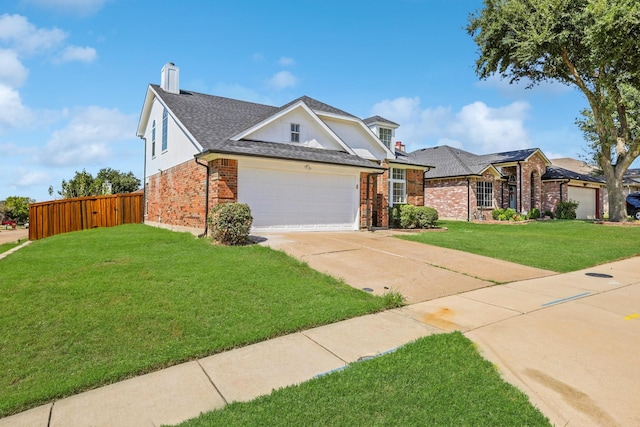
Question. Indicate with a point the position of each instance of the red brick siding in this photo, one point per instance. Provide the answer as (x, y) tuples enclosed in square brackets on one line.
[(382, 199), (176, 196), (415, 187), (447, 196), (364, 177), (534, 168)]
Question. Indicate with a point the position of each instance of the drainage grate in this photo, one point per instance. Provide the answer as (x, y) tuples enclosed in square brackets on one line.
[(602, 275)]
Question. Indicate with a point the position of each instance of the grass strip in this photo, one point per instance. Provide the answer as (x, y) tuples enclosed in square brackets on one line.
[(84, 309), (558, 245), (437, 380)]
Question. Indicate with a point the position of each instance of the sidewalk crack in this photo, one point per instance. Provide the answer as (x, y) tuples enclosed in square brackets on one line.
[(212, 383)]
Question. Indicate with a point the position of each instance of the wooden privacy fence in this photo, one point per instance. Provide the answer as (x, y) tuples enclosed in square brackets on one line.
[(62, 216)]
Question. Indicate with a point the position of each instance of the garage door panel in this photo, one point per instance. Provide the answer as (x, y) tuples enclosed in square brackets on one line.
[(586, 198), (285, 200)]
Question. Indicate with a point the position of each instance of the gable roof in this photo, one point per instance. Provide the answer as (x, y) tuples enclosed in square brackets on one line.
[(379, 119), (450, 161), (213, 120)]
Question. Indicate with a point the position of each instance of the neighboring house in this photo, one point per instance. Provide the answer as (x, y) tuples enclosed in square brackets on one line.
[(631, 181), (463, 185), (582, 183), (303, 166)]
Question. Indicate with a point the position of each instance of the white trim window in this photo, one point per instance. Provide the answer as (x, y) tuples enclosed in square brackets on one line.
[(386, 135), (153, 139), (295, 132), (484, 194), (398, 186), (165, 125)]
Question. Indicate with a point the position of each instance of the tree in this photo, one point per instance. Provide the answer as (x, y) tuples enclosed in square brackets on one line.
[(107, 181), (17, 208), (589, 44)]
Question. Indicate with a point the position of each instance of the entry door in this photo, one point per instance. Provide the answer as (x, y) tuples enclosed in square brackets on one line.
[(513, 197)]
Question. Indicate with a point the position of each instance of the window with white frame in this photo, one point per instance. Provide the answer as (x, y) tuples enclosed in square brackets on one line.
[(484, 194), (153, 139), (398, 186), (295, 132), (385, 136), (165, 125)]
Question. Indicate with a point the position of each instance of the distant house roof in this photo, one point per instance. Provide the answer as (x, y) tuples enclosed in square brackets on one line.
[(451, 161), (558, 173), (573, 165), (213, 120)]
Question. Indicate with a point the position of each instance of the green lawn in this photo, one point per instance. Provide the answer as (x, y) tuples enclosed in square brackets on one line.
[(559, 246), (6, 246), (439, 380), (89, 308)]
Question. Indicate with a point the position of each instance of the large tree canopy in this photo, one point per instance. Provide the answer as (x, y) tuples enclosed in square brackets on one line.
[(589, 44), (17, 208), (107, 181)]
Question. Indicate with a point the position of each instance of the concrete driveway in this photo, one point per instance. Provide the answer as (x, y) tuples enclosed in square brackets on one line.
[(378, 262), (9, 235)]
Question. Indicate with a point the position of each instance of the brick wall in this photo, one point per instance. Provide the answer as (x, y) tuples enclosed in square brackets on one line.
[(447, 196), (176, 197), (530, 172), (415, 187), (382, 199)]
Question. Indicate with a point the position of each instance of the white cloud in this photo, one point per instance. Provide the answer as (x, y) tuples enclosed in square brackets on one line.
[(24, 178), (282, 80), (12, 72), (88, 137), (77, 53), (25, 38), (13, 114), (237, 91), (476, 127), (78, 7), (286, 62)]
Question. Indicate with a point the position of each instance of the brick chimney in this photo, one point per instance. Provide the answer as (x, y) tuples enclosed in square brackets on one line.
[(169, 78), (399, 146)]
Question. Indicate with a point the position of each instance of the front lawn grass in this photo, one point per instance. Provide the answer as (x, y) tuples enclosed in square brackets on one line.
[(83, 309), (7, 246), (437, 380), (558, 245)]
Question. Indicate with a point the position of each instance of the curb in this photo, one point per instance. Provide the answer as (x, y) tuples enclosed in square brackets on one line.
[(12, 250)]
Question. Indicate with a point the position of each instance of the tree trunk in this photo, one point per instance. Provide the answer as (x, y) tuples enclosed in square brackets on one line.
[(615, 191)]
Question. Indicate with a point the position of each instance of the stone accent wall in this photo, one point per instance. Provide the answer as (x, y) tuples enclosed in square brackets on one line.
[(415, 187), (176, 196)]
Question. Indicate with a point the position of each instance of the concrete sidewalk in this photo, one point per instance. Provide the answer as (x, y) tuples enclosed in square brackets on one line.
[(569, 341)]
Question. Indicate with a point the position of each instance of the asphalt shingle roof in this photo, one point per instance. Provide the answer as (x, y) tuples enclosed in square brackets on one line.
[(213, 120), (556, 172), (449, 161), (380, 119)]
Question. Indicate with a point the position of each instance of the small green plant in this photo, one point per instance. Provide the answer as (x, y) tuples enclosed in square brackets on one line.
[(508, 214), (566, 210), (230, 223), (393, 299), (394, 215), (534, 213), (549, 214)]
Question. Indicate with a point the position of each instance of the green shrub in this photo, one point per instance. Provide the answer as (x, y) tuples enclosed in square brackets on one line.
[(495, 214), (426, 216), (230, 223), (549, 214), (408, 216), (534, 213), (394, 216), (566, 210)]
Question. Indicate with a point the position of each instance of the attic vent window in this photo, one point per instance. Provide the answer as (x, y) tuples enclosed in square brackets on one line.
[(385, 136), (295, 132)]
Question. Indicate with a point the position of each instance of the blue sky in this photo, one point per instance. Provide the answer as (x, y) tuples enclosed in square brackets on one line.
[(74, 73)]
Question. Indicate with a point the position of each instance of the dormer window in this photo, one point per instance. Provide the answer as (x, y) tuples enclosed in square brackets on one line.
[(295, 132), (385, 136)]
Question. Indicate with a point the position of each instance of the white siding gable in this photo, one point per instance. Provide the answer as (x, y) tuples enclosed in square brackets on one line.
[(358, 138), (180, 147), (312, 132)]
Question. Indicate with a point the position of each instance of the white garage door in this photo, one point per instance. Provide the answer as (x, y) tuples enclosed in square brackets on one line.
[(586, 198), (312, 199)]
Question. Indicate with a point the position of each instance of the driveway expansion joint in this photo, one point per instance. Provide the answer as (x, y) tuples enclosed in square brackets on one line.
[(215, 387)]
